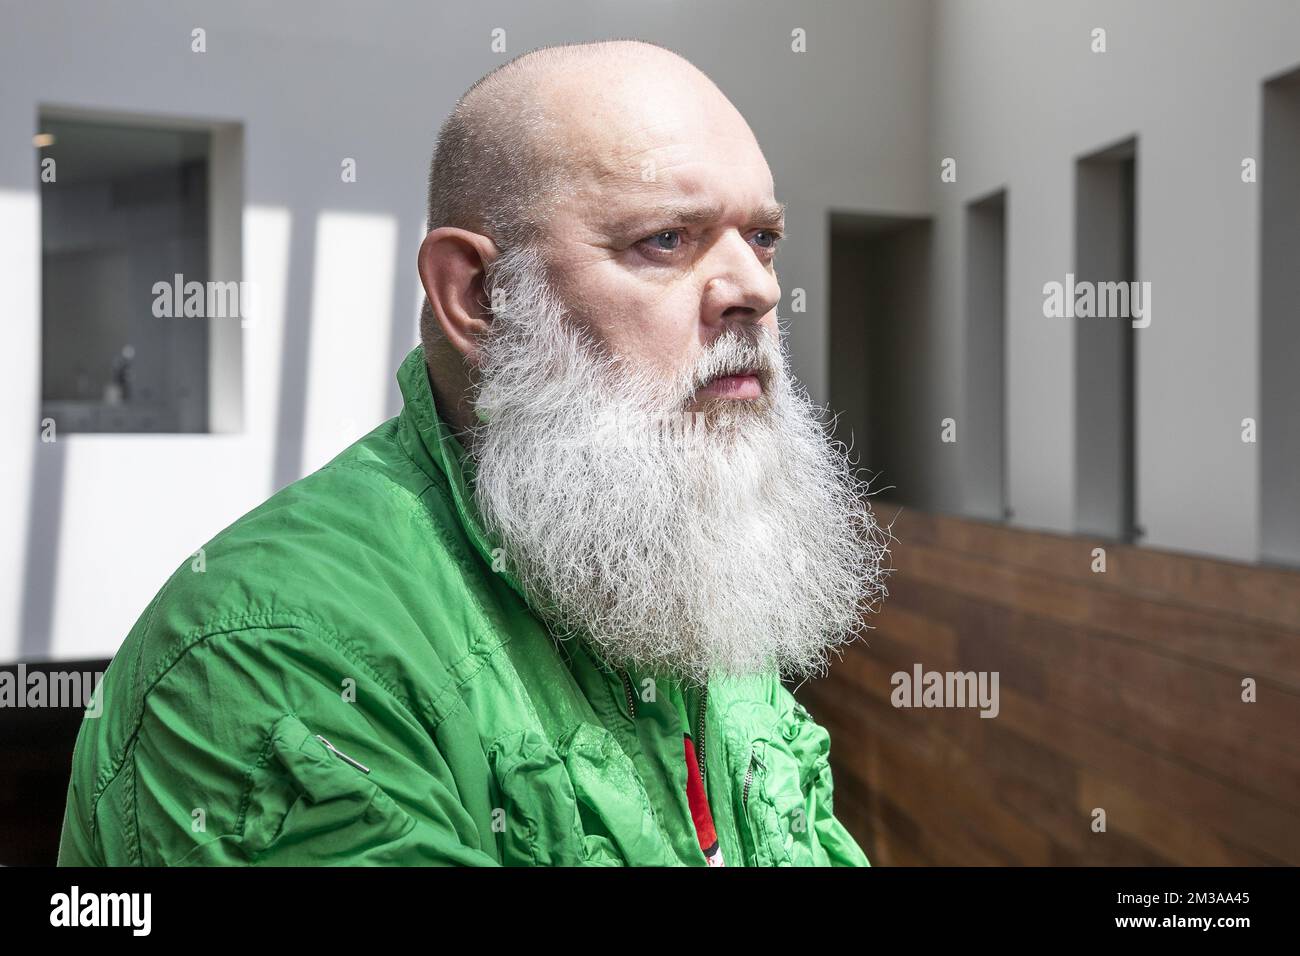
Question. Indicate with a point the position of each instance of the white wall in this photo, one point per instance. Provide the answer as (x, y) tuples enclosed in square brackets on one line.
[(1018, 97), (92, 524)]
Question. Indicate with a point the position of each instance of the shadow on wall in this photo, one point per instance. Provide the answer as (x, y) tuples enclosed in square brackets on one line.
[(50, 461)]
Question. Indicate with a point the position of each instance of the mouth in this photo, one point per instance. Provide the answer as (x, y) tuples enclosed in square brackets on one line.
[(740, 385)]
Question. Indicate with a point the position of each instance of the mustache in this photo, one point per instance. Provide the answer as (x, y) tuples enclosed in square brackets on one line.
[(742, 350)]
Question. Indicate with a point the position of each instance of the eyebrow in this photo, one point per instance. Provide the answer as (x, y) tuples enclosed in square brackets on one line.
[(768, 214)]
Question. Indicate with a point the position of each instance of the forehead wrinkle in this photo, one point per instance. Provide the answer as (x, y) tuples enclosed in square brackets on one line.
[(767, 213)]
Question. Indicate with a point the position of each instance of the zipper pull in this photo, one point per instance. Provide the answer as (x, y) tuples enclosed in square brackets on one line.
[(334, 750)]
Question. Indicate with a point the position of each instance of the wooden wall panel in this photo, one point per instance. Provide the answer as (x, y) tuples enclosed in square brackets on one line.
[(1119, 690)]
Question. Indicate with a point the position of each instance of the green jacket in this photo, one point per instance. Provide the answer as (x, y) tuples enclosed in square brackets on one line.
[(340, 677)]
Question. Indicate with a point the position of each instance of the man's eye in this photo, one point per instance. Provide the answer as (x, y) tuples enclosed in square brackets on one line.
[(768, 238), (667, 241)]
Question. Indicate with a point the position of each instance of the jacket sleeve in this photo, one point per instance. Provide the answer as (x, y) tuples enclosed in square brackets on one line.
[(270, 746), (811, 743)]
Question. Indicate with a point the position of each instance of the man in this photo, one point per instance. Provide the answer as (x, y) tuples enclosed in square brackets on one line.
[(540, 616)]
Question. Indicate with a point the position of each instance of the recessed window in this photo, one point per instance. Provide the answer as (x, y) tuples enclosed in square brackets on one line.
[(879, 315), (1106, 344), (1279, 437), (985, 493), (129, 324)]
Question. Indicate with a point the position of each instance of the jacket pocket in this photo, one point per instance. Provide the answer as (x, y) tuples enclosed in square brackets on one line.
[(538, 821), (763, 833), (618, 821), (753, 845), (771, 804), (578, 802), (301, 788)]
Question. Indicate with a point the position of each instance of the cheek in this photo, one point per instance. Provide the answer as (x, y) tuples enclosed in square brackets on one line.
[(647, 323), (667, 331)]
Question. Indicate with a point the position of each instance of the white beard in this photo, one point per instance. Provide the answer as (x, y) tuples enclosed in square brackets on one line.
[(735, 542)]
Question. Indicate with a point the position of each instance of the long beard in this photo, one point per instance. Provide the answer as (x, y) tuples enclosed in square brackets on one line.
[(733, 540)]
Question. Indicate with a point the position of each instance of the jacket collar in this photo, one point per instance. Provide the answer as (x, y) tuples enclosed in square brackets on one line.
[(429, 440)]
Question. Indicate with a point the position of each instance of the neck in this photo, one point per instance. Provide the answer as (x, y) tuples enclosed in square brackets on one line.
[(449, 384)]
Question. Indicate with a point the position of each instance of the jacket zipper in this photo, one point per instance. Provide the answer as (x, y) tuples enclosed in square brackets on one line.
[(360, 766), (627, 690), (749, 776), (699, 737), (704, 706)]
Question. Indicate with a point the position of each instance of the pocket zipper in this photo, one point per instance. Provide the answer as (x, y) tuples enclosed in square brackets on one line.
[(334, 750), (749, 776)]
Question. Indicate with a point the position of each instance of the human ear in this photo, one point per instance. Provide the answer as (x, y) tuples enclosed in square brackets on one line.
[(452, 264)]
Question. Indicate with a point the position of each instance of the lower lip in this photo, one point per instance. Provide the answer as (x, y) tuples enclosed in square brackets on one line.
[(733, 386)]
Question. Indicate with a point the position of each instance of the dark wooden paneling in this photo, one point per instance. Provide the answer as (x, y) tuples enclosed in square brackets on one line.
[(36, 753), (1119, 690)]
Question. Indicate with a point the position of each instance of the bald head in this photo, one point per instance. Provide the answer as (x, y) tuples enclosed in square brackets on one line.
[(507, 145)]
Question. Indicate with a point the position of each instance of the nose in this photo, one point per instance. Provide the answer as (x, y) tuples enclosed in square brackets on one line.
[(740, 288)]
